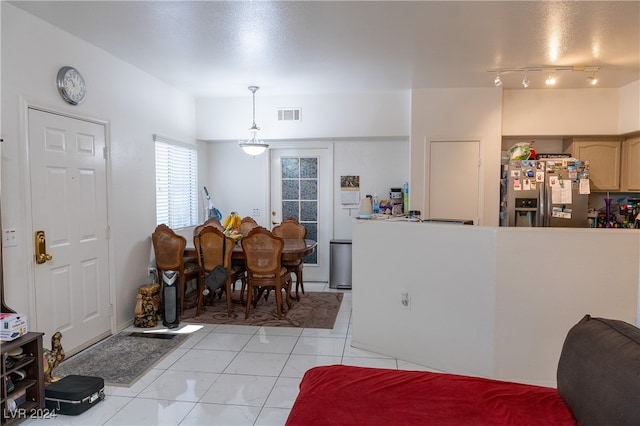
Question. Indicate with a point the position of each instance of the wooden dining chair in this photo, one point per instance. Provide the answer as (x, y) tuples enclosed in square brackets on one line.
[(215, 223), (168, 248), (246, 225), (263, 251), (291, 229), (213, 248)]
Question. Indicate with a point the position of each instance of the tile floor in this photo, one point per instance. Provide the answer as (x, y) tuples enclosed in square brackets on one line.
[(230, 375)]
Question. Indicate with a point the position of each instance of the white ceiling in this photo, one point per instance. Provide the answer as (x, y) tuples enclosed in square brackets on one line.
[(216, 48)]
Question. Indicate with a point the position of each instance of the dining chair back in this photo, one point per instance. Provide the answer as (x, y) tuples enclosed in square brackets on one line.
[(246, 225), (215, 223), (213, 248), (291, 229), (263, 251), (168, 248)]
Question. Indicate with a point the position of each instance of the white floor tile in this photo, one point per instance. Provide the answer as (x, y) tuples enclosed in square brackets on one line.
[(231, 374), (216, 414), (280, 331), (272, 416), (137, 387), (179, 386), (96, 415), (319, 346), (204, 360), (297, 365), (370, 362), (271, 344), (339, 330), (350, 351), (406, 365), (151, 412), (284, 393), (167, 361), (258, 364), (223, 341), (237, 329), (236, 389)]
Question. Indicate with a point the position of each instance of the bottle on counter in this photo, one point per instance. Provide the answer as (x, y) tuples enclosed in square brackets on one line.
[(376, 204), (405, 191)]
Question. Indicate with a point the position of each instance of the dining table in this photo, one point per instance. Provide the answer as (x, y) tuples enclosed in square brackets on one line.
[(294, 249)]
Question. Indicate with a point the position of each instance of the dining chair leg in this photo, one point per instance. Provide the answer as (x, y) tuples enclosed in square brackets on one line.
[(228, 291), (200, 295), (299, 281), (288, 293), (279, 302), (249, 297)]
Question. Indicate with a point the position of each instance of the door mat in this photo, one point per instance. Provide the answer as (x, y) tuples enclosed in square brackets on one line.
[(121, 359)]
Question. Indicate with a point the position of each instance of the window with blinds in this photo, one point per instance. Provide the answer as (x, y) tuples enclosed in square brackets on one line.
[(176, 183)]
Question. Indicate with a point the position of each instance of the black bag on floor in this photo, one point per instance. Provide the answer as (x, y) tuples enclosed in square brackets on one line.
[(73, 395)]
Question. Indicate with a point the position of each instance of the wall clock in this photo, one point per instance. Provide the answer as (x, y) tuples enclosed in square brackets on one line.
[(71, 85)]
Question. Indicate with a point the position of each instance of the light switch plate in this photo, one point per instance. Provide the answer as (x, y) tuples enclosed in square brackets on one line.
[(9, 237)]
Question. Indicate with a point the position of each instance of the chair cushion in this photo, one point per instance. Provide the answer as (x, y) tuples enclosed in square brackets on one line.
[(599, 372)]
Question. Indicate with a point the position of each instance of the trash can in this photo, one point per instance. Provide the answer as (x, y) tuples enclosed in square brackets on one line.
[(340, 264)]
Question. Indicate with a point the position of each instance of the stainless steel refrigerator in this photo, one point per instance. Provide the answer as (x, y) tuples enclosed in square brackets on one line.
[(546, 192)]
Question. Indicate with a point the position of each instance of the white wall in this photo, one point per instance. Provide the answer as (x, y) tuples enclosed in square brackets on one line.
[(561, 112), (239, 182), (369, 132), (457, 114), (494, 302), (338, 115), (629, 108), (135, 105)]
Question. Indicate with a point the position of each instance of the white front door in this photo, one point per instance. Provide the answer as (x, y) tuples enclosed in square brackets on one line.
[(69, 203), (301, 187)]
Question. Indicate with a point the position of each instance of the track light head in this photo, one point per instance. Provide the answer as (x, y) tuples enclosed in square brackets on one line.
[(497, 81), (551, 80), (593, 80), (525, 80)]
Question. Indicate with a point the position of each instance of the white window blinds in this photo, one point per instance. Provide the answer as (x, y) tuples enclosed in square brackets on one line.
[(176, 183)]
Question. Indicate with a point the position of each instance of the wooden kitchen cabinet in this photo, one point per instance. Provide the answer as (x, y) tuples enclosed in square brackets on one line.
[(630, 180), (604, 157)]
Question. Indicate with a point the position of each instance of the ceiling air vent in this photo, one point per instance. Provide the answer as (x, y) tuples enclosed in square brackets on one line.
[(289, 114)]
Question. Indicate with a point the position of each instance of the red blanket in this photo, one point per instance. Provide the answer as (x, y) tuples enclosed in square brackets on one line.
[(343, 395)]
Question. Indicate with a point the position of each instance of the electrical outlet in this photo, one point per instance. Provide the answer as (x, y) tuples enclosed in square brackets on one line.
[(151, 271), (405, 301), (256, 213)]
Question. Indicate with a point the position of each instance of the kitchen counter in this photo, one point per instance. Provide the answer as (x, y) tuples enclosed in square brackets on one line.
[(487, 301)]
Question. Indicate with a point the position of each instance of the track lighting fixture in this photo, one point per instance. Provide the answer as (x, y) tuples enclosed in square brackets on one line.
[(551, 80), (497, 81), (551, 70)]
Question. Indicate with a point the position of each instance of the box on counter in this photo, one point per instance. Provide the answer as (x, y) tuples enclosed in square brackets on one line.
[(12, 326)]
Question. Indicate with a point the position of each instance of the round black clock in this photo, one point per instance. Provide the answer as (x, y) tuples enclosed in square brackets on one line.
[(71, 85)]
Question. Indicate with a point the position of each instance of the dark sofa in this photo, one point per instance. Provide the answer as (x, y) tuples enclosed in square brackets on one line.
[(598, 381)]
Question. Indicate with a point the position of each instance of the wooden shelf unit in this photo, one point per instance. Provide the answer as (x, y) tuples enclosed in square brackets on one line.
[(32, 364)]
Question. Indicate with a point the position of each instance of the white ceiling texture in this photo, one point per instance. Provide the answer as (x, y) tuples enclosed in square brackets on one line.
[(218, 48)]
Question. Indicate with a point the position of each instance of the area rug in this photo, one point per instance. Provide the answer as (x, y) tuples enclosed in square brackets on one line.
[(313, 310), (121, 359)]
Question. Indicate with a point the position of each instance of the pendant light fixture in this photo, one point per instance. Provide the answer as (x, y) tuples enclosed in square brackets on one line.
[(253, 146)]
